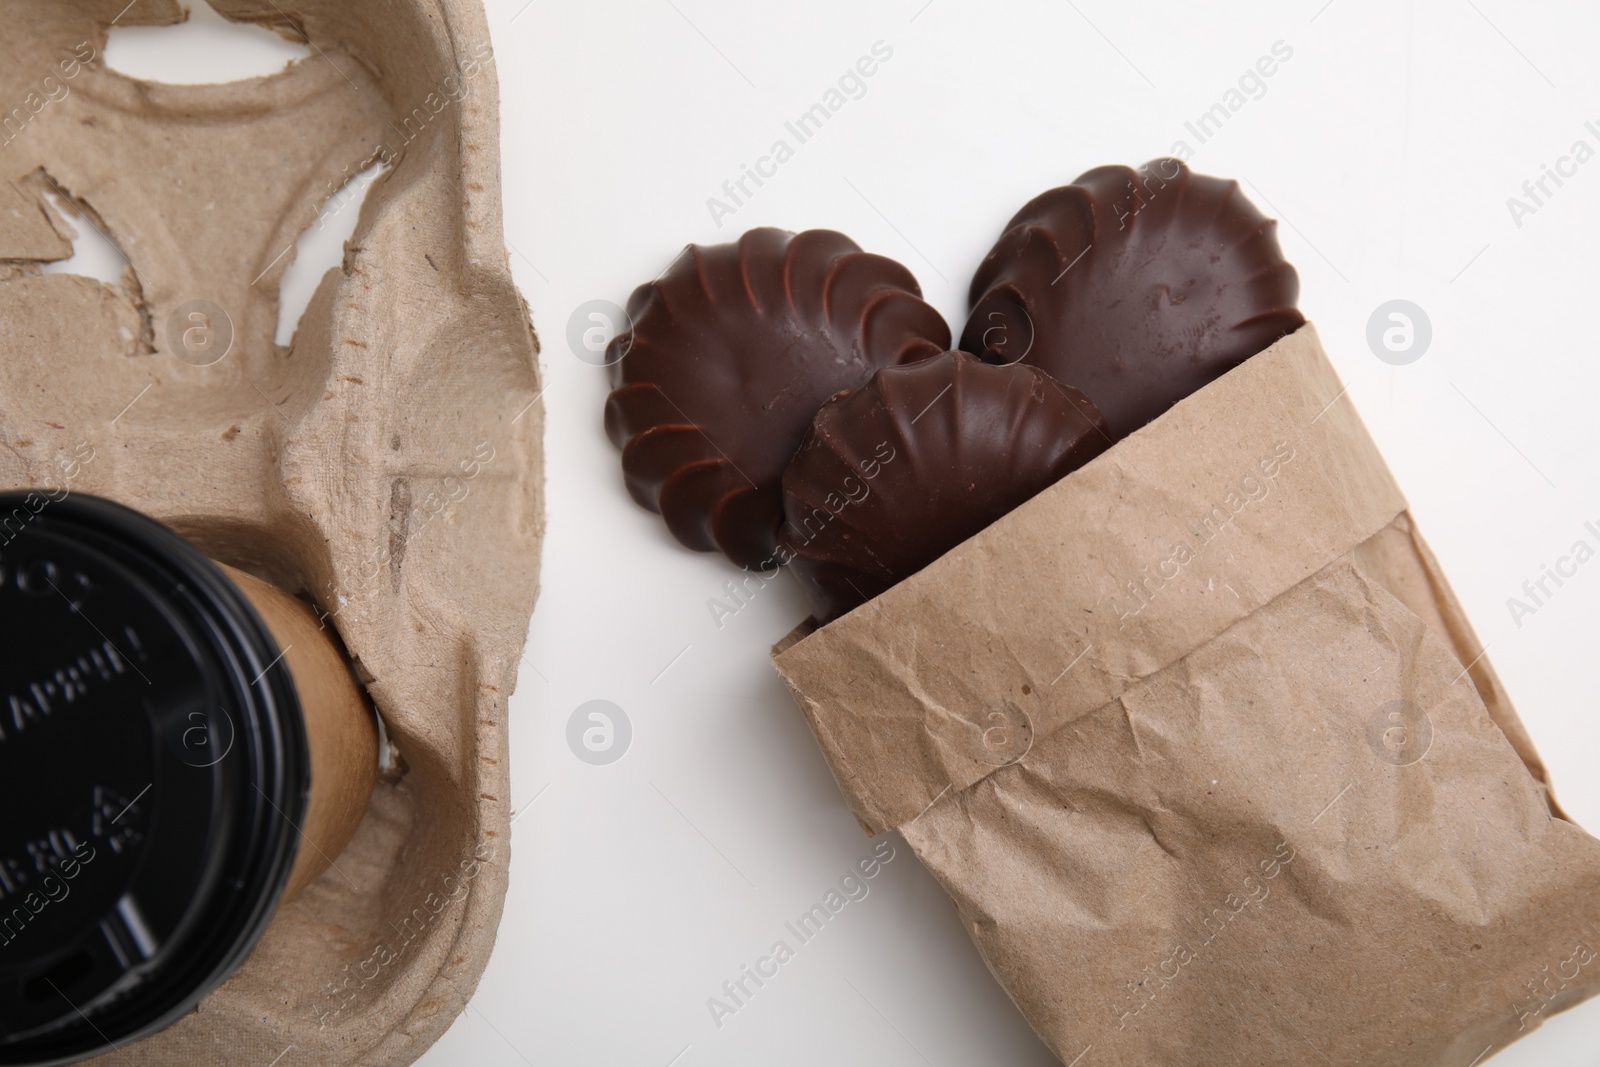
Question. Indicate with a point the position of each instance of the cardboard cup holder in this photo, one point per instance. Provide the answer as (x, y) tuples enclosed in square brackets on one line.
[(384, 468)]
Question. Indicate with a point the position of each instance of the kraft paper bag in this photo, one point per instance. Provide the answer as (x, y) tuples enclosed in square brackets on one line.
[(1204, 751)]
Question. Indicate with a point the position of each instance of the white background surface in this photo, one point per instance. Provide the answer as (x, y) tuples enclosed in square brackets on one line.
[(1387, 145)]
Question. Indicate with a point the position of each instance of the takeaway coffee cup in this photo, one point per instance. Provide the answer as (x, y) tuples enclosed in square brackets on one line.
[(181, 748)]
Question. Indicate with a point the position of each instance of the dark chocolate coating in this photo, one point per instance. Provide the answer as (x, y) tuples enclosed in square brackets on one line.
[(730, 354), (894, 475), (1138, 287)]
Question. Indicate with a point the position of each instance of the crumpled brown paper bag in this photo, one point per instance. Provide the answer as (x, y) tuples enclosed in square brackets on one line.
[(387, 463), (1215, 771)]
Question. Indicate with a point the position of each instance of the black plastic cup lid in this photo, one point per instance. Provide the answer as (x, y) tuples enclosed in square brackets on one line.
[(153, 773)]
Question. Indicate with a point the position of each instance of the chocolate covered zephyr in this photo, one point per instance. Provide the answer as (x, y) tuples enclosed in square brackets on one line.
[(728, 357), (1137, 286), (894, 475)]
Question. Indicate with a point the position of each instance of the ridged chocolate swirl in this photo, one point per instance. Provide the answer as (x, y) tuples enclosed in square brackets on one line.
[(730, 354), (1137, 286), (894, 475)]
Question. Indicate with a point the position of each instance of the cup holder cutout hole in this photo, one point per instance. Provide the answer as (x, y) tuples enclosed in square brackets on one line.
[(321, 248), (94, 254), (204, 49)]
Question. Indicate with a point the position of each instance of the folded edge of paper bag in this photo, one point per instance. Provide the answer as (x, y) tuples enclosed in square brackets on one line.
[(1157, 546), (1399, 559)]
